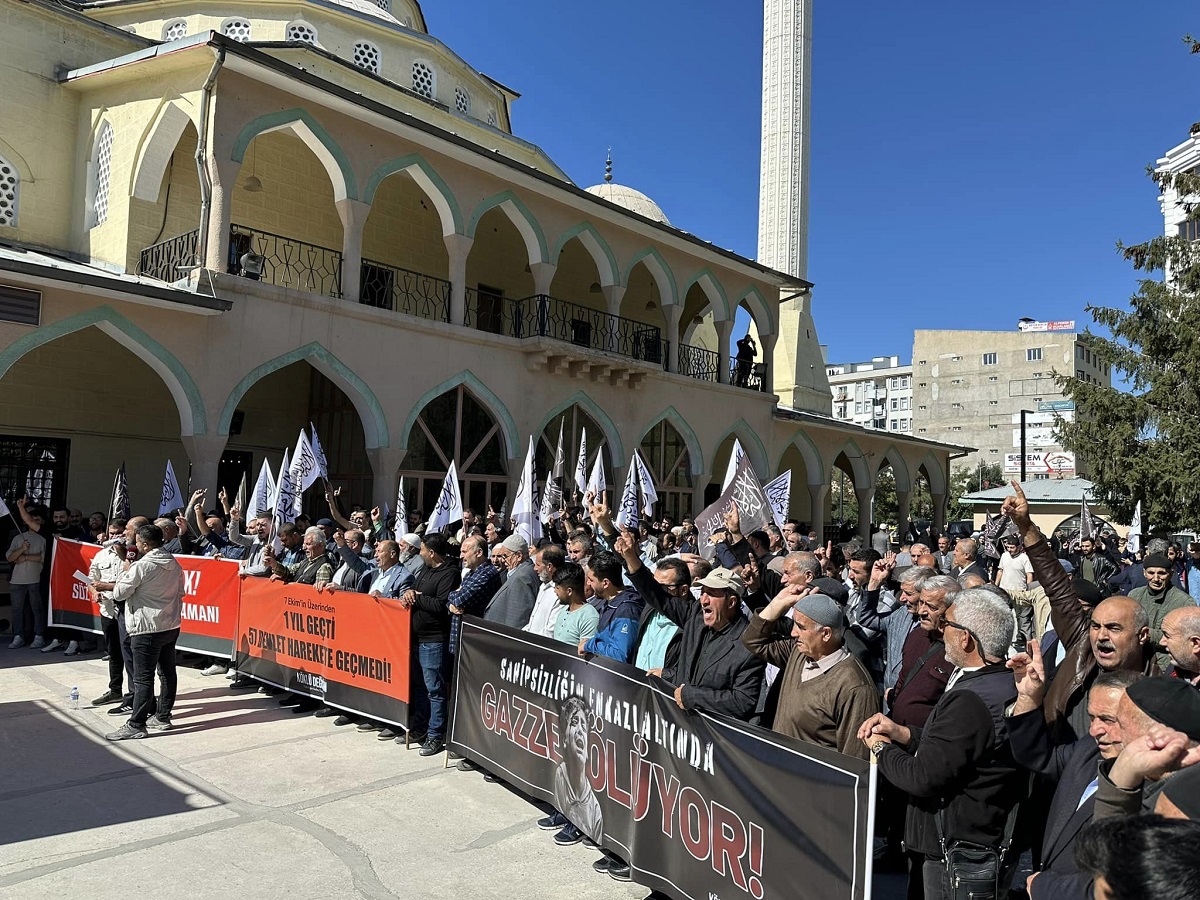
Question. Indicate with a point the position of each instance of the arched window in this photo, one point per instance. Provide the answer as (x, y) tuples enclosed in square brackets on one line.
[(455, 427), (101, 175), (302, 32), (423, 81), (666, 454), (462, 101), (10, 193), (238, 29), (366, 56), (573, 421), (175, 29), (385, 5)]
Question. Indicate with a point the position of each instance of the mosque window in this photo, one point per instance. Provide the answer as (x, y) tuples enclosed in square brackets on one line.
[(385, 5), (462, 101), (302, 32), (10, 188), (491, 118), (102, 173), (175, 29), (238, 29), (422, 79), (366, 56)]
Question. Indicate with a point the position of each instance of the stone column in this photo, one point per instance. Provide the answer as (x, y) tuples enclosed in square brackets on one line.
[(672, 313), (204, 452), (458, 248), (353, 214), (865, 497), (543, 276), (385, 463), (767, 342), (224, 181), (903, 499), (613, 295), (816, 498), (724, 332)]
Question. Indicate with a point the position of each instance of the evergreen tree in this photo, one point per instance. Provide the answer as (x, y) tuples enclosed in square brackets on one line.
[(1144, 443)]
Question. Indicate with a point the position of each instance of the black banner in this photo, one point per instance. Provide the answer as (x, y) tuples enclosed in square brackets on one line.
[(701, 806)]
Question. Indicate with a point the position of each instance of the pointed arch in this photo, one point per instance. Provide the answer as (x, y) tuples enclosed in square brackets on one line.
[(671, 414), (302, 124), (482, 393), (751, 443), (934, 472), (370, 412), (155, 149), (429, 181), (718, 301), (519, 214), (193, 419), (899, 468), (668, 291), (612, 435), (9, 152), (761, 311), (863, 476), (813, 464), (596, 246)]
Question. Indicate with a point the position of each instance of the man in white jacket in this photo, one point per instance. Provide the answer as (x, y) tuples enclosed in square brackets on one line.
[(152, 590)]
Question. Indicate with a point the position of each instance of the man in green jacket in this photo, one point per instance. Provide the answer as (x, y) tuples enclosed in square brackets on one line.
[(1158, 598)]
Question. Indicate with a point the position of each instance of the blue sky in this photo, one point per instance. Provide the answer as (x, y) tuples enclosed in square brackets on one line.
[(971, 164)]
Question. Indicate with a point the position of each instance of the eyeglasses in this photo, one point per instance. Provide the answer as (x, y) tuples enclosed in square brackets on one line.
[(949, 624)]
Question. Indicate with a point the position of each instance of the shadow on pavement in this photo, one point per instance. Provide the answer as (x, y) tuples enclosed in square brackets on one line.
[(61, 777)]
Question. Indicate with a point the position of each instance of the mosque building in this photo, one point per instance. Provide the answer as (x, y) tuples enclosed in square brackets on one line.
[(221, 220)]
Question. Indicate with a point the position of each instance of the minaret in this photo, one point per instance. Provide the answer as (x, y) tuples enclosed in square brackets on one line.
[(800, 378)]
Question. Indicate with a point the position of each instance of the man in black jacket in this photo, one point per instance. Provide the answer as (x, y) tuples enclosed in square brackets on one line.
[(1092, 565), (714, 671), (429, 602), (959, 766)]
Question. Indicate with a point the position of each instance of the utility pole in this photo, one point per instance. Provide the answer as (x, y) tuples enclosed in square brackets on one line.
[(1024, 412)]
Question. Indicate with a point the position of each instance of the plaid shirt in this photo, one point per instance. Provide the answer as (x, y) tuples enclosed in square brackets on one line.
[(472, 597)]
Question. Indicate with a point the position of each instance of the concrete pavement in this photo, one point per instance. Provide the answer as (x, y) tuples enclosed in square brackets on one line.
[(245, 799)]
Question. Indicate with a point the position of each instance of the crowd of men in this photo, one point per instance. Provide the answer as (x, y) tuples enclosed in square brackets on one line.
[(1047, 701)]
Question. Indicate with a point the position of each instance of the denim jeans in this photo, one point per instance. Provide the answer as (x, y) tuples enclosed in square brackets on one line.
[(30, 595), (429, 701), (150, 652)]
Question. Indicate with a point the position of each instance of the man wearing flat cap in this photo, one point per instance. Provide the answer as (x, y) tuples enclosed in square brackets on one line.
[(713, 671), (1160, 723), (826, 693)]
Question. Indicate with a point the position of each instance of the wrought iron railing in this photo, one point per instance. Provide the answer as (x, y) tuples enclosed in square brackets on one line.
[(544, 316), (284, 261), (747, 374), (412, 293), (170, 260), (696, 362)]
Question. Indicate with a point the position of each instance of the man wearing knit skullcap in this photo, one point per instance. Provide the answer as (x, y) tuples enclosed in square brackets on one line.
[(1158, 598)]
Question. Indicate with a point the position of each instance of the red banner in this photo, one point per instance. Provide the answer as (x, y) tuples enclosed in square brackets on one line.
[(210, 600), (348, 650)]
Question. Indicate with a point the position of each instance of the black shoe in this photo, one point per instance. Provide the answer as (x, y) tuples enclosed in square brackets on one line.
[(305, 706), (106, 698), (386, 735), (432, 747), (343, 719), (369, 726), (601, 865), (123, 710), (243, 684), (270, 690), (618, 870), (291, 700), (465, 765), (492, 779), (552, 822), (324, 713), (568, 836), (417, 738), (455, 756)]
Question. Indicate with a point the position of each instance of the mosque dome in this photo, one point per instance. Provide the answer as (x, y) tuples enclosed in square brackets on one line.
[(633, 200)]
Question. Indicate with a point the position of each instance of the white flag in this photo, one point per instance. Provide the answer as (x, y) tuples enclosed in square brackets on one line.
[(319, 453), (264, 494), (303, 471), (285, 493), (581, 463), (552, 493), (646, 483), (779, 495), (449, 506), (171, 498), (401, 511), (4, 510), (1135, 529), (596, 484), (627, 512), (735, 459), (529, 526)]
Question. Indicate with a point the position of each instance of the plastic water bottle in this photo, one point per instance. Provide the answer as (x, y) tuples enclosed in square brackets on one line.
[(74, 698)]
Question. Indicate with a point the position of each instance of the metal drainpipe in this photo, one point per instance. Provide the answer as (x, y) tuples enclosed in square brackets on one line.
[(202, 159)]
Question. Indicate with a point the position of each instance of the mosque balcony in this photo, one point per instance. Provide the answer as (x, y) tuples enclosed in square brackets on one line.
[(752, 376), (696, 362)]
